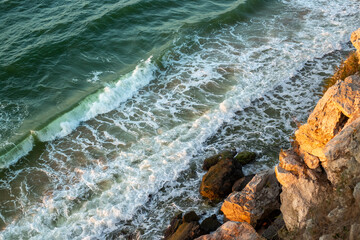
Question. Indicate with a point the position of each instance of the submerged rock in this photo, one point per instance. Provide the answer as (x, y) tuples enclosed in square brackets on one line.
[(233, 231), (257, 200), (218, 181)]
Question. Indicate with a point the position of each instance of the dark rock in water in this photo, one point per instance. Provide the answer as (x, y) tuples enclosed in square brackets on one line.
[(218, 181), (174, 225), (245, 157), (211, 161), (210, 224), (241, 183), (186, 231), (190, 217)]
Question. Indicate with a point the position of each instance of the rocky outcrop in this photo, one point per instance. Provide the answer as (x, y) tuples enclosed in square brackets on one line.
[(257, 200), (233, 231), (321, 173)]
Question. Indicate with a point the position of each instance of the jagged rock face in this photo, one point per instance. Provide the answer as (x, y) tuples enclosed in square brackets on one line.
[(233, 231), (257, 200), (302, 188), (324, 164)]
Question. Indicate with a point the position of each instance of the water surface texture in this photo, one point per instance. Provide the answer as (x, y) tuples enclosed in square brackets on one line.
[(108, 109)]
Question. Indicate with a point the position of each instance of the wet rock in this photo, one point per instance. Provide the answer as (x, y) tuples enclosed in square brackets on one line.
[(218, 181), (233, 231), (245, 157), (174, 224), (210, 224), (257, 200), (183, 227), (211, 161), (190, 217), (241, 183), (186, 231)]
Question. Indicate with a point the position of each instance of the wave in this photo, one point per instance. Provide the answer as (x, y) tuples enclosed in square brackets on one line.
[(101, 102)]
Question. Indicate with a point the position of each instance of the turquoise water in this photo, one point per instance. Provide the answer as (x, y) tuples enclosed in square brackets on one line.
[(107, 109)]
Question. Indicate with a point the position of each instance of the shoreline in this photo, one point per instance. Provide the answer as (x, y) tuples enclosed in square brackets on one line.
[(312, 172)]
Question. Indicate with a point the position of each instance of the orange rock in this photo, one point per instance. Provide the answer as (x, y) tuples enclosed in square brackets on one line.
[(233, 231), (258, 199), (218, 181)]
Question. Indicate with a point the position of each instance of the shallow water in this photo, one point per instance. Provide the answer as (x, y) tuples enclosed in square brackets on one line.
[(107, 110)]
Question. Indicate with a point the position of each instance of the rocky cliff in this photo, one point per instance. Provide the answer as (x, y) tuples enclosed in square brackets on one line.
[(320, 174)]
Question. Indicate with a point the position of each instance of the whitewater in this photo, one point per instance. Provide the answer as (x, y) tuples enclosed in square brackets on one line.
[(117, 159)]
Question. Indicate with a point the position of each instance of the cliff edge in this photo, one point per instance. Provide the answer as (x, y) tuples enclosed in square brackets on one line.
[(320, 174)]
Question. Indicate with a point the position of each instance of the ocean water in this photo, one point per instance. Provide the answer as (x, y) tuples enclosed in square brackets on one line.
[(107, 109)]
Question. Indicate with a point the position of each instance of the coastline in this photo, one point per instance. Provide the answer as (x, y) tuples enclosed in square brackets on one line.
[(318, 177)]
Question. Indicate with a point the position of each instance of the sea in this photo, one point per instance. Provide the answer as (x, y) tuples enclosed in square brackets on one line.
[(108, 108)]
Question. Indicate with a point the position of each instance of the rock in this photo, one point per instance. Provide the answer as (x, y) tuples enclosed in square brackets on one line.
[(356, 194), (190, 217), (311, 161), (174, 224), (326, 237), (272, 231), (217, 182), (210, 224), (354, 232), (336, 214), (241, 183), (319, 172), (300, 195), (257, 200), (186, 231), (233, 231), (245, 157), (211, 161), (343, 155)]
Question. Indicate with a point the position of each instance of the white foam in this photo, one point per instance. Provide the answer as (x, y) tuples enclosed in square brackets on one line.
[(160, 130)]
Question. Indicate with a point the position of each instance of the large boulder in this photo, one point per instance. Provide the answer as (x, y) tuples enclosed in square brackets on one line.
[(233, 231), (218, 181), (302, 189), (256, 201)]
